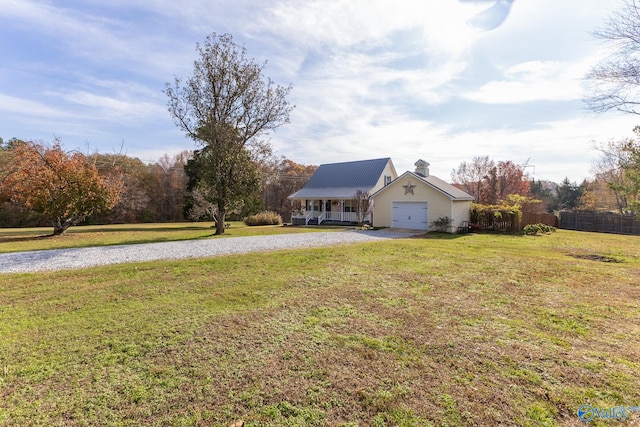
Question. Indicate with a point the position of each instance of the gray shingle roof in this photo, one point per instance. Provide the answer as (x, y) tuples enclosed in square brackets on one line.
[(342, 180)]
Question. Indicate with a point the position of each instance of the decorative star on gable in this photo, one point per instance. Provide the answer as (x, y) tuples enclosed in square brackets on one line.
[(408, 189)]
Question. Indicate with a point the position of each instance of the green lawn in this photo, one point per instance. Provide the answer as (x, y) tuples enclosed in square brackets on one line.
[(438, 330), (28, 239)]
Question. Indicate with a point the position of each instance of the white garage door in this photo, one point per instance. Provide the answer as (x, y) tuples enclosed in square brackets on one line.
[(411, 215)]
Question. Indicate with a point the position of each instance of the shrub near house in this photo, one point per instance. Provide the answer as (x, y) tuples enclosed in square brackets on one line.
[(535, 229), (263, 218)]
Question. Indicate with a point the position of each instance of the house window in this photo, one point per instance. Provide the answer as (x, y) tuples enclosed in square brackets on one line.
[(348, 206), (316, 205), (387, 180), (312, 205)]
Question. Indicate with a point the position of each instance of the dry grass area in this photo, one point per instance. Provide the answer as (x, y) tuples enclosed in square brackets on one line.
[(440, 330)]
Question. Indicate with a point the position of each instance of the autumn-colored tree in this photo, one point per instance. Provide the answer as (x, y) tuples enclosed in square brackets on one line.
[(12, 213), (489, 183), (598, 196), (167, 193), (151, 192), (619, 166), (285, 178), (6, 158), (133, 204), (63, 186), (511, 179)]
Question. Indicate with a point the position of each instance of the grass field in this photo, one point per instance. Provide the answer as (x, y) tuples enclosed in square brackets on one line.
[(438, 330), (28, 239)]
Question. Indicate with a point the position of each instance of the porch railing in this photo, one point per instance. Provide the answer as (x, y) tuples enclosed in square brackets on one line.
[(340, 216), (345, 216), (330, 216)]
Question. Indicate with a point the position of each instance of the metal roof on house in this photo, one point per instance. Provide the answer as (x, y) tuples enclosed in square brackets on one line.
[(342, 180)]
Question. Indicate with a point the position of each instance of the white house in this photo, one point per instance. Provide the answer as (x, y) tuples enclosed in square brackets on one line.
[(330, 194)]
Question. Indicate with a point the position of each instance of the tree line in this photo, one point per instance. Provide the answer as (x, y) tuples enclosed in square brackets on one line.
[(614, 187), (42, 184)]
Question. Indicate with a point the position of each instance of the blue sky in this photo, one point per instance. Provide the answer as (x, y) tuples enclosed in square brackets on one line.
[(439, 80)]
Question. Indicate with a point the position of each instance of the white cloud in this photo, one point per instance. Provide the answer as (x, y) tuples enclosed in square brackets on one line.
[(15, 106), (533, 81), (109, 41), (435, 33), (101, 107), (344, 23)]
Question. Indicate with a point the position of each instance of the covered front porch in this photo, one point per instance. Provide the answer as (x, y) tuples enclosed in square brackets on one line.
[(322, 211)]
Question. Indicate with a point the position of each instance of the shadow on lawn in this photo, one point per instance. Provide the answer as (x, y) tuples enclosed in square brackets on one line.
[(134, 228), (449, 236), (10, 239), (438, 235), (17, 237)]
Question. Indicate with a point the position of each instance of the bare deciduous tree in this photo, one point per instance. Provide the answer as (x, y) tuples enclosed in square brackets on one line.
[(472, 176), (490, 184), (615, 80), (361, 199), (200, 208)]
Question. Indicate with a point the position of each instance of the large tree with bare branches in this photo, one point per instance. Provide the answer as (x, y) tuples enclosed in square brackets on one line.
[(615, 80), (227, 106)]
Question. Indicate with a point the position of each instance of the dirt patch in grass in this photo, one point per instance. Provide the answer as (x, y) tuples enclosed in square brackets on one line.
[(595, 257)]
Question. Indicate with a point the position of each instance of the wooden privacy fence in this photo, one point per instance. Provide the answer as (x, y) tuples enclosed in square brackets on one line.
[(508, 222), (538, 218), (489, 220), (600, 222)]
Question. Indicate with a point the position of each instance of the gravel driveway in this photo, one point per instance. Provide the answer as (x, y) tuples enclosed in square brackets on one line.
[(60, 259)]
